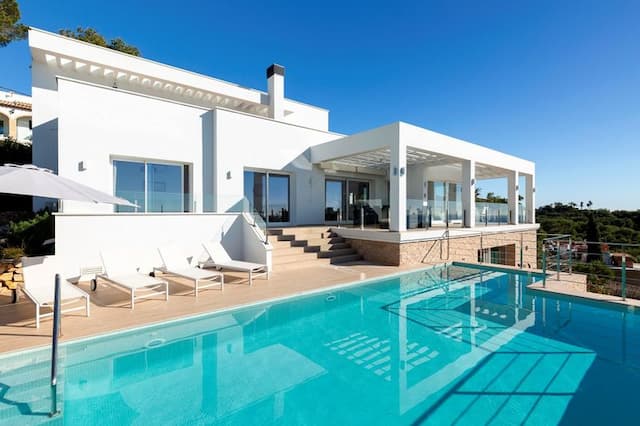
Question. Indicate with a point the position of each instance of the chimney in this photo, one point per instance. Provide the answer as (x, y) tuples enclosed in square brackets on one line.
[(275, 83)]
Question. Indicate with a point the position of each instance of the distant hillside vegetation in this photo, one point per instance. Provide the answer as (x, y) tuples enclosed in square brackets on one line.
[(620, 226)]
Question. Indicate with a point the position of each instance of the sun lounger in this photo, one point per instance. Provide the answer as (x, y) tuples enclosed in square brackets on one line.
[(121, 273), (175, 263), (39, 286), (220, 259)]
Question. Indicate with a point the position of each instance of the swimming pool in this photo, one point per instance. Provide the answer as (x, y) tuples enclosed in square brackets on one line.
[(446, 345)]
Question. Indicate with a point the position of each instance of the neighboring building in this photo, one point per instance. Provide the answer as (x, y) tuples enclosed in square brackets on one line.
[(176, 142), (15, 116)]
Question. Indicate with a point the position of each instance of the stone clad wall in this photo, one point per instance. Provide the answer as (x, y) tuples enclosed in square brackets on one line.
[(463, 249)]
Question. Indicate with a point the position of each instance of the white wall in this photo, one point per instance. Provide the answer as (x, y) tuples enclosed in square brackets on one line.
[(81, 237), (245, 141), (44, 93), (306, 115), (98, 124), (23, 132)]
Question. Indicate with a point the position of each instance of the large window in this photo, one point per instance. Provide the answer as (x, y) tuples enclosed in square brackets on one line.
[(154, 187), (268, 194)]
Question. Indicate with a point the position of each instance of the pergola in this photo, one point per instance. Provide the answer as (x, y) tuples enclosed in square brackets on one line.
[(394, 148)]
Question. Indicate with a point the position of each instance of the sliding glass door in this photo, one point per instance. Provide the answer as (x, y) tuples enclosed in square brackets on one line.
[(268, 195), (335, 200), (445, 202), (344, 198)]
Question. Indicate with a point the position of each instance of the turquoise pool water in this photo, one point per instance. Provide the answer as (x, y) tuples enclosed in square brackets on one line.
[(449, 345)]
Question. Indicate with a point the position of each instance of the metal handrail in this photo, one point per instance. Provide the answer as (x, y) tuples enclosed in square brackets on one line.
[(54, 348)]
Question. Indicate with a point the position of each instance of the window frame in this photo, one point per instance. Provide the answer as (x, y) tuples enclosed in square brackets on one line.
[(185, 181)]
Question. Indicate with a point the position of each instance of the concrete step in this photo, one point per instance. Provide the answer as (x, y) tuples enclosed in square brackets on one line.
[(336, 253), (301, 265), (293, 258), (325, 247), (306, 229), (345, 258), (272, 231), (322, 241), (277, 245), (286, 250), (286, 237)]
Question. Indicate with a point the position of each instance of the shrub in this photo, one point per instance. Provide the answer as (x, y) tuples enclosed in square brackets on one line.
[(30, 234), (11, 253), (599, 276)]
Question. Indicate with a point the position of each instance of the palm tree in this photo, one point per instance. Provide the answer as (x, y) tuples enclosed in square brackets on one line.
[(589, 204)]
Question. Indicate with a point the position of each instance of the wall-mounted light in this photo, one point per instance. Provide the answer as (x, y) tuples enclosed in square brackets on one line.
[(473, 181), (533, 190), (517, 187), (402, 171), (395, 171), (229, 174), (82, 166)]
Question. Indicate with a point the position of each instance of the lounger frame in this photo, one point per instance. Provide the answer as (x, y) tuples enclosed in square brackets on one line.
[(149, 290), (199, 283), (40, 305)]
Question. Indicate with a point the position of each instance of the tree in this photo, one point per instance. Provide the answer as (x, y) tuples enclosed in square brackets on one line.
[(593, 240), (581, 205), (589, 204), (92, 36), (10, 29)]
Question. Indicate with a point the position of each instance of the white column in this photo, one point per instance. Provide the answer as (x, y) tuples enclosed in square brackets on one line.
[(469, 192), (530, 198), (513, 195), (398, 187)]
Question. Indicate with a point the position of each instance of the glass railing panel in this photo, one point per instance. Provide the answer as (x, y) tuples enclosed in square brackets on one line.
[(417, 214), (492, 213), (455, 211)]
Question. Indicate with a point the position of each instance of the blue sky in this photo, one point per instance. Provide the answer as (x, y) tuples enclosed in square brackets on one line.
[(554, 82)]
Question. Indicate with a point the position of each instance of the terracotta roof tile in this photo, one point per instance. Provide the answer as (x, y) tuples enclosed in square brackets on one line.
[(15, 104)]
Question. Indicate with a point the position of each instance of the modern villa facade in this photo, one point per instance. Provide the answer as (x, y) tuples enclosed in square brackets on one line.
[(201, 156)]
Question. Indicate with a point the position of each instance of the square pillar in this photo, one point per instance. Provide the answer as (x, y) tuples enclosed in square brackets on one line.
[(469, 192), (398, 188), (513, 196), (530, 198)]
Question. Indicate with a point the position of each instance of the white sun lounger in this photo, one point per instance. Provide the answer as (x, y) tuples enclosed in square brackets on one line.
[(175, 263), (121, 273), (39, 286), (220, 259)]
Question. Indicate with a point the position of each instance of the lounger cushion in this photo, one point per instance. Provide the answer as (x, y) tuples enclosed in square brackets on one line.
[(194, 273), (39, 280), (216, 252), (220, 258), (173, 258), (119, 263), (237, 265), (135, 280)]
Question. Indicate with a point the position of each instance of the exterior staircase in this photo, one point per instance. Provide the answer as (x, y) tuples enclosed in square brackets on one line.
[(300, 247)]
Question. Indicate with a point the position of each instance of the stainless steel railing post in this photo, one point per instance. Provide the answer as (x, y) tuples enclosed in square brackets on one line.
[(544, 266), (623, 276)]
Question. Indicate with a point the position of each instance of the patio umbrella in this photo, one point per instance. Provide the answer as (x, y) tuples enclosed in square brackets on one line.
[(39, 182)]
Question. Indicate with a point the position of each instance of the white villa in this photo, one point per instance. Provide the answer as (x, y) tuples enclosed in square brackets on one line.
[(202, 157), (15, 116)]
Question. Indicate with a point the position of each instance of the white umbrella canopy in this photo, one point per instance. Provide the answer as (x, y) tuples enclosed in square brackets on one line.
[(39, 182)]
